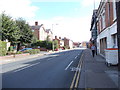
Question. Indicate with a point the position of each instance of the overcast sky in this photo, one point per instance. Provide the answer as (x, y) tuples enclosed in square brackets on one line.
[(73, 17)]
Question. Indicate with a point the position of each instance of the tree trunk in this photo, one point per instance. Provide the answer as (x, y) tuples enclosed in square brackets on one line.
[(18, 46)]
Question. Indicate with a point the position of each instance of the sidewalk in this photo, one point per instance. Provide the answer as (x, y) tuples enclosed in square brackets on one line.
[(96, 74)]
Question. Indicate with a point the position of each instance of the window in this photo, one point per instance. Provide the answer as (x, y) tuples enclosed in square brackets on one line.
[(114, 10), (103, 19), (114, 40)]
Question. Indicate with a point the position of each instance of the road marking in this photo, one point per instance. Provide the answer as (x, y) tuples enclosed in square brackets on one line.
[(68, 65), (26, 67), (76, 77), (49, 59), (75, 57)]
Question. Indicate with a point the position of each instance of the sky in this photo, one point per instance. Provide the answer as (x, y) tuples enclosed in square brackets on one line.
[(66, 18)]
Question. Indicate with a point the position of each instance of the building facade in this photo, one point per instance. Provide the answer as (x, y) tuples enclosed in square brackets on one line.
[(41, 33), (93, 28), (107, 26)]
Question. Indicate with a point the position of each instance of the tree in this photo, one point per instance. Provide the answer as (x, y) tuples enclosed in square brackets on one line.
[(55, 44), (26, 35), (9, 29)]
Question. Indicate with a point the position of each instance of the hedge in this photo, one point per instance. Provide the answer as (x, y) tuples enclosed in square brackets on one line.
[(3, 48), (33, 51)]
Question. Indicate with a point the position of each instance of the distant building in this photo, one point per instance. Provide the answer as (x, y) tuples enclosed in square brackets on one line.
[(76, 44), (41, 33), (84, 44), (64, 42), (49, 34), (93, 28)]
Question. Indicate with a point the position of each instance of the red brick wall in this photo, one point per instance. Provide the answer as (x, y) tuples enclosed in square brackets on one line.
[(36, 33), (108, 19)]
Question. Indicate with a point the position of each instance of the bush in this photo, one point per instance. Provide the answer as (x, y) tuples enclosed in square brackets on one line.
[(10, 48), (19, 52), (33, 51), (3, 48)]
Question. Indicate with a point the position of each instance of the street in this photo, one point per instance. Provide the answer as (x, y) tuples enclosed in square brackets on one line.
[(49, 71)]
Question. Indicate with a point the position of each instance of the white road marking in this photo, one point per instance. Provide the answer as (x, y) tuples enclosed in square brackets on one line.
[(75, 57), (49, 59), (68, 65), (26, 67)]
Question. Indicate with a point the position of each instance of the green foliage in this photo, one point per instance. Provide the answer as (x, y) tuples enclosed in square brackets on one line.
[(19, 52), (43, 44), (49, 45), (10, 31), (3, 49), (10, 48), (25, 31), (33, 51), (55, 44)]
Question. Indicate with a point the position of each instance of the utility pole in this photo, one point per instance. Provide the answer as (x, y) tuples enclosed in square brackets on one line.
[(118, 30)]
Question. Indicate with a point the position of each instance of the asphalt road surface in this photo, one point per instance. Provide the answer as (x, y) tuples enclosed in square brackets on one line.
[(49, 71)]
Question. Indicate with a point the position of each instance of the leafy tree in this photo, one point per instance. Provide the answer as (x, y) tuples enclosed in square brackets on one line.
[(26, 35), (55, 44), (9, 29)]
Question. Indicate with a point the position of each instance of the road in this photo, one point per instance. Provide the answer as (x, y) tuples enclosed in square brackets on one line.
[(49, 71)]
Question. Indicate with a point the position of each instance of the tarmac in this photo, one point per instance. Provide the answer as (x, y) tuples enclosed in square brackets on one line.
[(95, 74)]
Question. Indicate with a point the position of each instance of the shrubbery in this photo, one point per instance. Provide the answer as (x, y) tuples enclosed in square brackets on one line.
[(3, 48), (33, 51), (11, 48)]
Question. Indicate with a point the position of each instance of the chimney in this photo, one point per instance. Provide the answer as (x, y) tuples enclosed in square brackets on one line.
[(36, 23), (59, 37), (55, 37)]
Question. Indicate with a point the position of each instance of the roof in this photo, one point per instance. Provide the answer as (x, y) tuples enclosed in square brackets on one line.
[(36, 27)]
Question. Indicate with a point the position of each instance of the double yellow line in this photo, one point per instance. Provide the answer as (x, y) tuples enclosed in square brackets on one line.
[(76, 77)]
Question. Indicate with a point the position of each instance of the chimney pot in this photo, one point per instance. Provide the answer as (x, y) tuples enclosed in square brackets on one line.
[(36, 23)]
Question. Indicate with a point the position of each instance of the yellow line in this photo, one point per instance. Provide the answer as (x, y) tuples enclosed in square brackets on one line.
[(79, 72), (73, 79), (76, 75)]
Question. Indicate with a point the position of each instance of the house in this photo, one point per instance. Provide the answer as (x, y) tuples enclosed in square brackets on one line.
[(107, 26), (76, 44), (39, 31), (49, 34), (64, 42)]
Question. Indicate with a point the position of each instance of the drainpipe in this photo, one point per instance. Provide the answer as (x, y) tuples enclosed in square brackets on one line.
[(118, 31)]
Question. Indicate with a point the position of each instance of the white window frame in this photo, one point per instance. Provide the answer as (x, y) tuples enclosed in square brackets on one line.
[(103, 19), (114, 10)]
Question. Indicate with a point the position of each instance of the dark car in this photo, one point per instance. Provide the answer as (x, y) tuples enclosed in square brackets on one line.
[(25, 49)]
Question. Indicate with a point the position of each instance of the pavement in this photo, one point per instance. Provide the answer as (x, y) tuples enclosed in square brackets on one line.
[(96, 74)]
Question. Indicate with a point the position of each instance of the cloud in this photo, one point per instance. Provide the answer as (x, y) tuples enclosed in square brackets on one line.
[(18, 8)]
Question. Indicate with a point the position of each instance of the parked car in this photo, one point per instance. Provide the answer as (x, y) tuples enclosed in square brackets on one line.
[(22, 50)]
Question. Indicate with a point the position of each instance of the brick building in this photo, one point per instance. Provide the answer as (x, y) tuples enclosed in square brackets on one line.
[(41, 33), (107, 26)]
